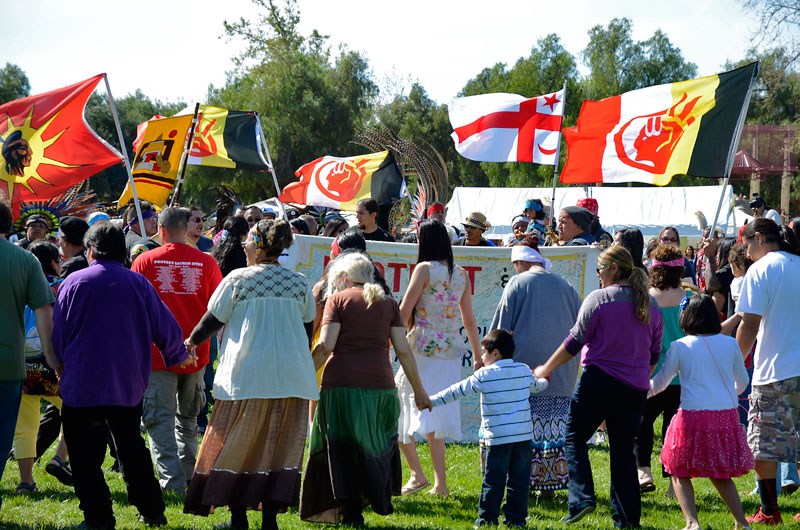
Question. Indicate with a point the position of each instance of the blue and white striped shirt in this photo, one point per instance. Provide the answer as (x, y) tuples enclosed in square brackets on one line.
[(505, 387)]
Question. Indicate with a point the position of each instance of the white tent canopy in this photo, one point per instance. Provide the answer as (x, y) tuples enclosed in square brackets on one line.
[(647, 208)]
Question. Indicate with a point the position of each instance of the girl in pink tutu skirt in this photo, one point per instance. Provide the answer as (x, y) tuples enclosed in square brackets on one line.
[(704, 438)]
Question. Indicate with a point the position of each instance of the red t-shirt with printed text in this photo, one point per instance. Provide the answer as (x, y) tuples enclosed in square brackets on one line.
[(185, 279)]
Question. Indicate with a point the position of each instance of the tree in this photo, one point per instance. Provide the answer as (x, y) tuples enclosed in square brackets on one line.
[(416, 117), (545, 70), (618, 64), (132, 110), (778, 23), (14, 83), (310, 101)]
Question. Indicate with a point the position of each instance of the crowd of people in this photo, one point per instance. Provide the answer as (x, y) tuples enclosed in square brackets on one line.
[(124, 328)]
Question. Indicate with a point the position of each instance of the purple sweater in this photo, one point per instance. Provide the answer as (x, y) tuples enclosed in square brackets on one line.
[(104, 321), (616, 341)]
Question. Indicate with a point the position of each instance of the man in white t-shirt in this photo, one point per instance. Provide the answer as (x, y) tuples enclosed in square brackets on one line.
[(760, 209), (770, 305)]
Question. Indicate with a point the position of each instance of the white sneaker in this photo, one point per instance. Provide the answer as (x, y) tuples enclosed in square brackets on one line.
[(600, 437)]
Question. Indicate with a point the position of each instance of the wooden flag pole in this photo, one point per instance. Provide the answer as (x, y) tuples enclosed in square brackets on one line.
[(555, 168), (732, 148), (187, 147), (126, 160)]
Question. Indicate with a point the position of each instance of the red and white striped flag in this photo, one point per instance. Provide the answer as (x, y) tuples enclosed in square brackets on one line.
[(503, 127)]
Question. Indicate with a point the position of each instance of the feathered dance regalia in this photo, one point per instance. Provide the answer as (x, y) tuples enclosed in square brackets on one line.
[(76, 201), (227, 202), (414, 161)]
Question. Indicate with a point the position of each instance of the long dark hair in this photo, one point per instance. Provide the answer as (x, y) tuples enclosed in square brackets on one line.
[(772, 233), (236, 227), (434, 244), (723, 249), (632, 239)]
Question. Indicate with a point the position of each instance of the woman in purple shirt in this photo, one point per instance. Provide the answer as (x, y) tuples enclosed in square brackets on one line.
[(619, 329)]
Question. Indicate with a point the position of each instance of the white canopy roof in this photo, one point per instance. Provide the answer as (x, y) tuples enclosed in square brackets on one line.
[(647, 208)]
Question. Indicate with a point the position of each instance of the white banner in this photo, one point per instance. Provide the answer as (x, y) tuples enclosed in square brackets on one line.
[(489, 269)]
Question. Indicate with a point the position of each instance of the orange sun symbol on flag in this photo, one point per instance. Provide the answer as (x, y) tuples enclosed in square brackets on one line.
[(23, 153)]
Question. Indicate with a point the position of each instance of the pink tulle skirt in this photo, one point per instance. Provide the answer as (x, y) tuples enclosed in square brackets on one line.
[(706, 443)]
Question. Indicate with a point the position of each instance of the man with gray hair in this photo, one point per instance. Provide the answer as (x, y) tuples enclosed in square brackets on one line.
[(185, 279), (540, 308)]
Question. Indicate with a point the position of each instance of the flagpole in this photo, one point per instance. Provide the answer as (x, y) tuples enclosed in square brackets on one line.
[(125, 159), (731, 150), (555, 168), (269, 162), (187, 147)]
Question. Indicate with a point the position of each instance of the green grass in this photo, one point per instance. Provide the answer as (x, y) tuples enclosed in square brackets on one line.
[(56, 507)]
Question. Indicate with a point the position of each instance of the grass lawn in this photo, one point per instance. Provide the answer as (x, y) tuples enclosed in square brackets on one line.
[(55, 506)]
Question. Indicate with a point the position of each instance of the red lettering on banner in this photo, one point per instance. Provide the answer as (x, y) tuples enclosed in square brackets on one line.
[(471, 273), (380, 267), (396, 268), (326, 261)]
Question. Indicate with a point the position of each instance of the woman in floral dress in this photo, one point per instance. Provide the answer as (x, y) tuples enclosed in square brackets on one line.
[(430, 307)]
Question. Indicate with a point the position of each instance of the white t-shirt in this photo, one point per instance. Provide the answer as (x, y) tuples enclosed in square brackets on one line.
[(711, 368), (736, 290), (771, 289), (774, 216)]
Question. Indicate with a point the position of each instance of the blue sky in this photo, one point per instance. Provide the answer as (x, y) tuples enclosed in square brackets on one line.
[(171, 49)]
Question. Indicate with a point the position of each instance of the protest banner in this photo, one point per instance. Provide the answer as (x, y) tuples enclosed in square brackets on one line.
[(489, 270)]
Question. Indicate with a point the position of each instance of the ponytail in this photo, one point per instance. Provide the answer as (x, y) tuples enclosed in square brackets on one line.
[(788, 241), (372, 293), (637, 278), (641, 295)]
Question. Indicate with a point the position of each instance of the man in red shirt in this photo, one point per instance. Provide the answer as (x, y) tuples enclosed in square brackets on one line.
[(185, 278)]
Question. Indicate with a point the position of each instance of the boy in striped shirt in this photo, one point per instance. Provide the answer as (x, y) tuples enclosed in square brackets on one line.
[(506, 428)]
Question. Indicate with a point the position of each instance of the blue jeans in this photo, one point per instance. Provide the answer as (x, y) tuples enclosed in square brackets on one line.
[(508, 467), (599, 396), (10, 397)]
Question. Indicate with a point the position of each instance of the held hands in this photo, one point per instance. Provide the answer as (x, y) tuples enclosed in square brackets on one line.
[(192, 358), (541, 373), (423, 401)]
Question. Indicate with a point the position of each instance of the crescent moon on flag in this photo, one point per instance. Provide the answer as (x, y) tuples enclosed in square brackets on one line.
[(546, 151)]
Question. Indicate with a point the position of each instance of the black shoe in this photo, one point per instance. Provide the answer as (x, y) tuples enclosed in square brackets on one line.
[(509, 524), (577, 516), (60, 470), (482, 523), (153, 521)]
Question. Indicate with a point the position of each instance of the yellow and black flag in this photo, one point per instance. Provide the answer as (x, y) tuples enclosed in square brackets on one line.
[(341, 182), (155, 167), (651, 134), (227, 138)]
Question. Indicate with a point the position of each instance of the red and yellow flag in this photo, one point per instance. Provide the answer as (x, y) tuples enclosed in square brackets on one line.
[(342, 182), (155, 167), (46, 146), (651, 134)]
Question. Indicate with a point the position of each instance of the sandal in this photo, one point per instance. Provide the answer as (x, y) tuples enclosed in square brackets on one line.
[(408, 489), (61, 470), (26, 489)]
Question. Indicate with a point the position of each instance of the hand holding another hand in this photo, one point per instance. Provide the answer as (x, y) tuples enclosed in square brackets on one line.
[(423, 401)]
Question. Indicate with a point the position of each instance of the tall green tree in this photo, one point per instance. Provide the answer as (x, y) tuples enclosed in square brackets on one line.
[(416, 117), (619, 64), (14, 83), (545, 70), (132, 110), (310, 99)]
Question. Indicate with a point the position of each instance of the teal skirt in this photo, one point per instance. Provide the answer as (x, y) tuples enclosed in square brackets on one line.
[(353, 453)]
